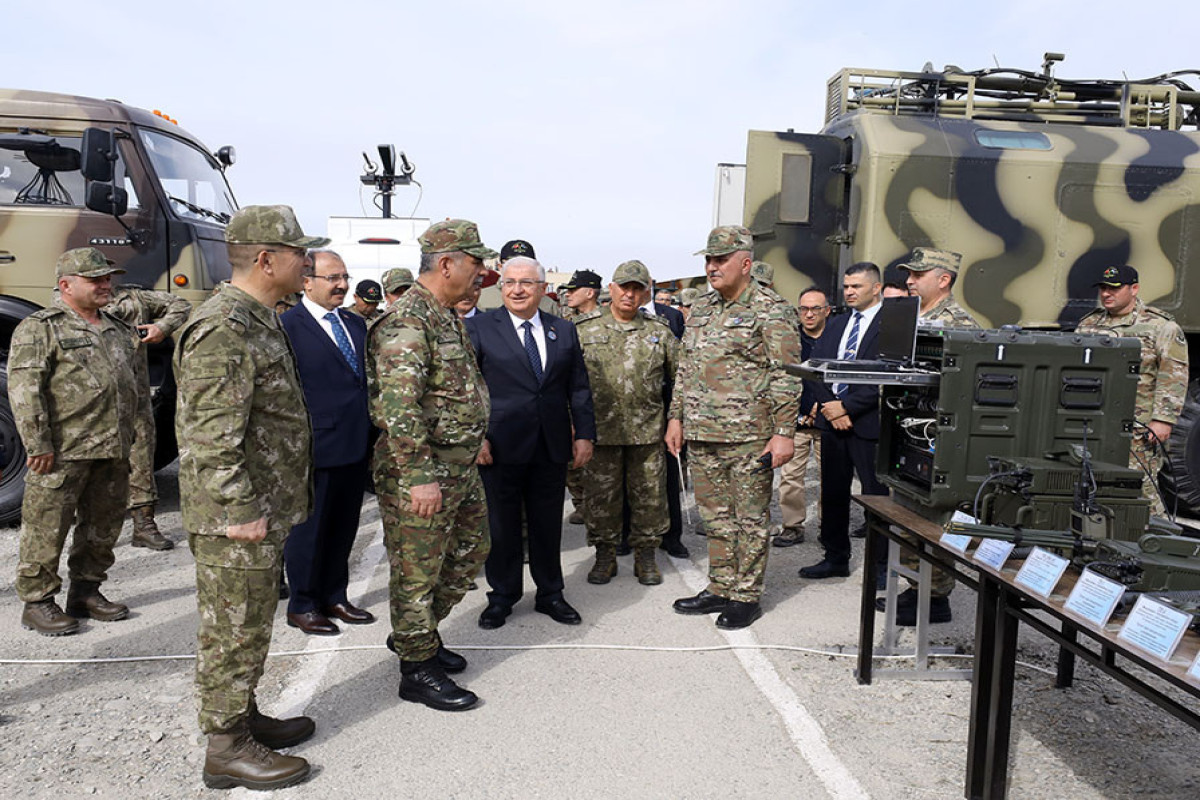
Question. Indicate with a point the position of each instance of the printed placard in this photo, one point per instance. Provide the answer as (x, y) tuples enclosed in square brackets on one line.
[(959, 542), (1154, 627), (993, 553), (1094, 597), (1041, 572)]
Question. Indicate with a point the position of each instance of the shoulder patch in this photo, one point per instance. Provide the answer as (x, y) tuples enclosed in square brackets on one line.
[(46, 313), (238, 318), (1158, 312), (595, 313), (659, 320)]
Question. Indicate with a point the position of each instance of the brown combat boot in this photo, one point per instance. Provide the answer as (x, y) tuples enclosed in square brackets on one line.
[(145, 530), (279, 733), (645, 568), (84, 600), (606, 564), (235, 758), (48, 619)]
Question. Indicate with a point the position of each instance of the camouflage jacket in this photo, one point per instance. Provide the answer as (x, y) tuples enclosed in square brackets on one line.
[(245, 443), (76, 388), (731, 385), (426, 391), (628, 365), (1162, 382), (950, 314), (142, 306)]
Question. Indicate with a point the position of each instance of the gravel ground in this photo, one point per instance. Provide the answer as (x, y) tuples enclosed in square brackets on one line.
[(555, 723)]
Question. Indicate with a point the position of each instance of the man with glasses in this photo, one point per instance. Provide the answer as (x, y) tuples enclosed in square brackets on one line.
[(245, 452), (541, 419), (793, 498), (329, 343)]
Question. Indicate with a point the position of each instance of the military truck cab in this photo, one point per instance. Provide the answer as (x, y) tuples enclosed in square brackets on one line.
[(158, 211), (1039, 182)]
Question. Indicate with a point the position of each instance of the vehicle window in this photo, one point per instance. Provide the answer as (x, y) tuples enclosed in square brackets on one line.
[(795, 188), (1013, 140), (194, 184), (40, 170)]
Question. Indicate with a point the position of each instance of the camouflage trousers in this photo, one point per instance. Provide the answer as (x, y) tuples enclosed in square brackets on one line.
[(634, 471), (433, 561), (734, 504), (237, 590), (575, 484), (142, 491), (793, 499), (89, 493), (1146, 458), (941, 581)]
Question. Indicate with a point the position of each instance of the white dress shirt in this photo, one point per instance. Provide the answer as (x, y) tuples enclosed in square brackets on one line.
[(867, 317), (539, 333), (327, 326)]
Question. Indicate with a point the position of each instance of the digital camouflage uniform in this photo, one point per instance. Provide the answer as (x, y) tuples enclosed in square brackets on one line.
[(77, 391), (245, 452), (138, 306), (1162, 382), (428, 397), (732, 395), (628, 364)]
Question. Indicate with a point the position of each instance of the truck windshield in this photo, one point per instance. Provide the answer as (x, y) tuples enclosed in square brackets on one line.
[(190, 177)]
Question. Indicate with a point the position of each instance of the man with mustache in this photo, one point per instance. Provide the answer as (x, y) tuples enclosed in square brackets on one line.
[(329, 342)]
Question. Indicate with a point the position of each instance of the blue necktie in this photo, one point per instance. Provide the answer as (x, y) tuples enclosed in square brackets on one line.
[(851, 351), (531, 350), (343, 342)]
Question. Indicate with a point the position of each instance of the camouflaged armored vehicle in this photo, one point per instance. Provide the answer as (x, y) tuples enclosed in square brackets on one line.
[(1039, 182), (76, 172)]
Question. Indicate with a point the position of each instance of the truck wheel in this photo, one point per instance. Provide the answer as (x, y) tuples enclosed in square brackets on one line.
[(12, 459), (1181, 479)]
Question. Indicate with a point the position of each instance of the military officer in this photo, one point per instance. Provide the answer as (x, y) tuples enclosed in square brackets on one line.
[(245, 478), (629, 357), (430, 400), (77, 385), (736, 407), (155, 316), (581, 291), (395, 283), (1162, 382)]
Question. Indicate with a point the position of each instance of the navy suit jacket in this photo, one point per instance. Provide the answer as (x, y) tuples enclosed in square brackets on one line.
[(522, 408), (860, 400), (336, 397), (673, 316)]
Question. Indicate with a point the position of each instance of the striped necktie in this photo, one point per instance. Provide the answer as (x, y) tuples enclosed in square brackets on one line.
[(851, 350), (531, 350), (342, 340)]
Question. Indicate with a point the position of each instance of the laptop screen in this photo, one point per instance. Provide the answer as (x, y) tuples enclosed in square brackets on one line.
[(898, 329)]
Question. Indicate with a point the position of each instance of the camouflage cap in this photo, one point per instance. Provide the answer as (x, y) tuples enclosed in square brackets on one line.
[(727, 239), (583, 279), (517, 247), (1122, 275), (688, 296), (763, 272), (924, 259), (632, 272), (398, 278), (369, 291), (269, 225), (87, 262), (455, 236)]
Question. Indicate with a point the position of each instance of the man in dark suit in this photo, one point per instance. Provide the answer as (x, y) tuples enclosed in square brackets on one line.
[(329, 344), (541, 419), (848, 418)]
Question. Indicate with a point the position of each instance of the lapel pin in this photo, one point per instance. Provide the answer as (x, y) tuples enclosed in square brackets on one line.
[(551, 335)]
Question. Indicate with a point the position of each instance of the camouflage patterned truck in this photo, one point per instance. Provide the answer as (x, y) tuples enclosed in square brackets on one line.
[(76, 171), (1039, 182)]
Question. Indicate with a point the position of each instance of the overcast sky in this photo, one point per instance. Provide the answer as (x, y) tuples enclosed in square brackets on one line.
[(590, 129)]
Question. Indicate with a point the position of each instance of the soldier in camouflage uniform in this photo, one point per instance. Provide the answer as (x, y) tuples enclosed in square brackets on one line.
[(1162, 381), (155, 316), (77, 385), (686, 298), (245, 478), (931, 277), (367, 296), (629, 356), (581, 293), (735, 405), (395, 283), (430, 400)]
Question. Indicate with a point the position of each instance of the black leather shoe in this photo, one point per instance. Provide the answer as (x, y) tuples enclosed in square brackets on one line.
[(624, 548), (558, 610), (860, 532), (313, 623), (739, 614), (825, 569), (906, 599), (674, 548), (704, 603), (426, 682), (493, 616), (349, 613), (939, 611), (279, 733), (450, 661)]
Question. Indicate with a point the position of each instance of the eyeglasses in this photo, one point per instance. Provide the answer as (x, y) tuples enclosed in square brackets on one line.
[(508, 283), (345, 276), (812, 309)]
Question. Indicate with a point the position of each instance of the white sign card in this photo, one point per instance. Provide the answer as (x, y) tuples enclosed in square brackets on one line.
[(959, 542), (1041, 572), (993, 553), (1155, 627), (1094, 597)]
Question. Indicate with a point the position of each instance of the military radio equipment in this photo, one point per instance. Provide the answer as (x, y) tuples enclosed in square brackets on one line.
[(1040, 182)]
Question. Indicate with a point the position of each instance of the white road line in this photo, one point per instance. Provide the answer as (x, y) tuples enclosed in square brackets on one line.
[(806, 733)]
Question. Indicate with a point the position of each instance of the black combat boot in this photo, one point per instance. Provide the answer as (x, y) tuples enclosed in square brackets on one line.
[(427, 682), (277, 733)]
